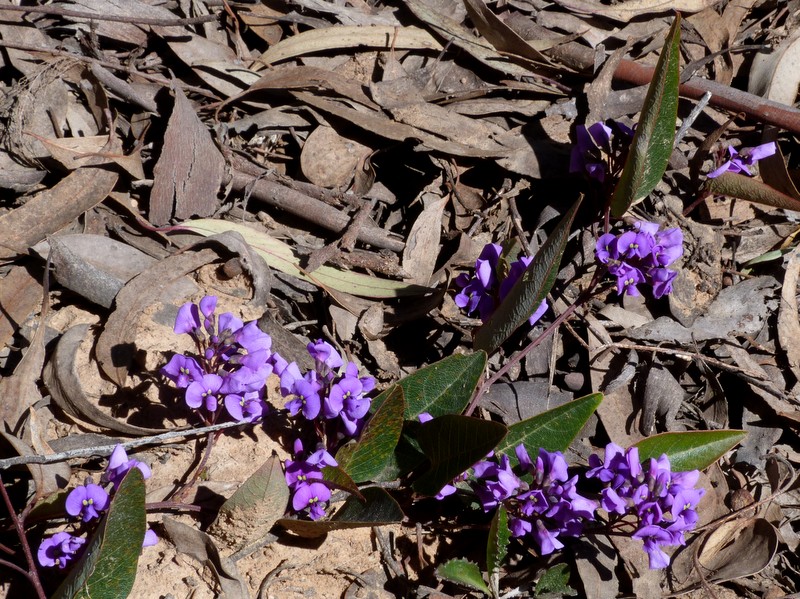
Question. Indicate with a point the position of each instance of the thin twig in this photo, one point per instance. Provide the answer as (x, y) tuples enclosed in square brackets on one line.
[(582, 298), (689, 120), (106, 450), (77, 14), (19, 525)]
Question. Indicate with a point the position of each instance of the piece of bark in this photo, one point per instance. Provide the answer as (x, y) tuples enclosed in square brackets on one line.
[(190, 170)]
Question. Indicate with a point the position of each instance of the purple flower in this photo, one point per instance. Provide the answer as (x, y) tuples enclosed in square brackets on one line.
[(306, 399), (662, 503), (586, 154), (119, 464), (739, 161), (150, 538), (496, 482), (245, 408), (321, 458), (653, 537), (229, 324), (182, 370), (59, 549), (634, 245), (325, 356), (606, 248), (204, 393), (208, 304), (628, 278), (476, 293), (188, 319), (87, 501), (300, 472), (311, 496), (662, 281), (252, 338)]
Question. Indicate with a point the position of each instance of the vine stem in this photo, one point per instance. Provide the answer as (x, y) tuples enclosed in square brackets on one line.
[(32, 574), (582, 298)]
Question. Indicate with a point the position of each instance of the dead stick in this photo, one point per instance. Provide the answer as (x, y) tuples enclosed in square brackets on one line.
[(77, 14), (310, 209), (755, 107)]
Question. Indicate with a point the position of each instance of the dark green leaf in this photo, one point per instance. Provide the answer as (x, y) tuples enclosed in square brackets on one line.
[(463, 572), (453, 443), (528, 293), (655, 134), (444, 387), (406, 457), (107, 569), (374, 449), (552, 430), (255, 506), (335, 477), (497, 547), (380, 508), (695, 450), (750, 189), (555, 582)]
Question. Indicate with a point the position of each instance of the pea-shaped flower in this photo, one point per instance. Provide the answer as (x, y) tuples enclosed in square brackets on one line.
[(59, 549), (87, 501)]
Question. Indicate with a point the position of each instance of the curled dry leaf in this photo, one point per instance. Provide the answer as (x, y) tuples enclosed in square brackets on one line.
[(198, 545), (115, 345), (788, 323), (625, 11), (733, 550), (62, 380)]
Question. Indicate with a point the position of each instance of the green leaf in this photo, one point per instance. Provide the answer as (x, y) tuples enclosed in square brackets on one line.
[(454, 443), (281, 257), (444, 387), (335, 477), (555, 582), (380, 508), (107, 569), (750, 189), (369, 456), (255, 506), (552, 430), (406, 456), (463, 572), (695, 450), (655, 134), (528, 293), (497, 547)]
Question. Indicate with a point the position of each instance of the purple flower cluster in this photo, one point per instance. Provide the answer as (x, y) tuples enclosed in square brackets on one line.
[(661, 502), (600, 149), (231, 366), (541, 498), (87, 502), (483, 291), (738, 162), (304, 477), (330, 404), (641, 256)]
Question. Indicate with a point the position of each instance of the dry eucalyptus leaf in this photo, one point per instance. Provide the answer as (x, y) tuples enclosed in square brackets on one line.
[(93, 266), (733, 550), (190, 170), (62, 380), (330, 160), (422, 248), (51, 210), (48, 478), (115, 345), (198, 545), (629, 9), (250, 513)]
